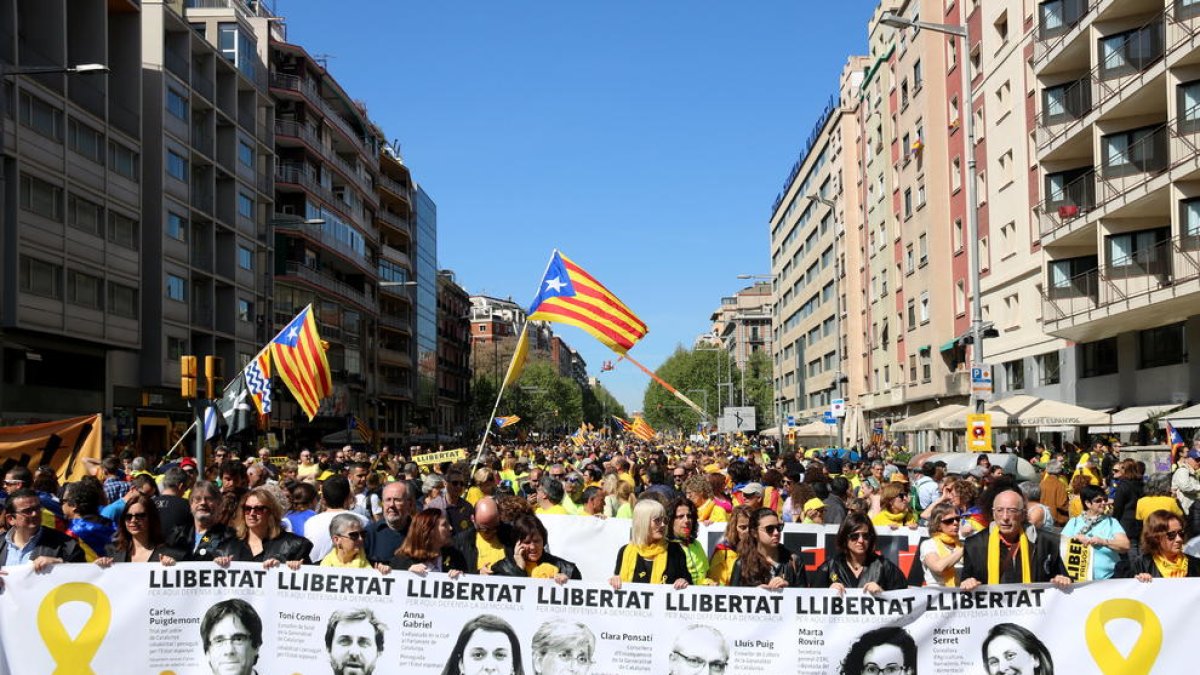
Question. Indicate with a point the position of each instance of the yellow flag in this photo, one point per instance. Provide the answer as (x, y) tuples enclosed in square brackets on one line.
[(518, 360)]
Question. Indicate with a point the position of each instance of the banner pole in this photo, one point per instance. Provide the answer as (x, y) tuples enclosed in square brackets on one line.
[(679, 395)]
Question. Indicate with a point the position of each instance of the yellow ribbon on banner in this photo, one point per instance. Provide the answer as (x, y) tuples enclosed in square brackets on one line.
[(74, 657), (1144, 652)]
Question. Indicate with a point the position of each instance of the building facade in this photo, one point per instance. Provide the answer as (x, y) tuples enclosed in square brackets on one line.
[(454, 357), (742, 323)]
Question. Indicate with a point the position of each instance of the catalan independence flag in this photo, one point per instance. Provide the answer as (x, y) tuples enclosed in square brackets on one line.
[(625, 426), (570, 295), (300, 360), (1175, 440), (642, 429), (506, 421)]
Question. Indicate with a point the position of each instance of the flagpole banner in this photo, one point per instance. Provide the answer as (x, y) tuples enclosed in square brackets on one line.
[(63, 445), (197, 619)]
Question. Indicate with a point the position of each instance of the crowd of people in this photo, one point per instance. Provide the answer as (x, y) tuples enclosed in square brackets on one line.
[(349, 508)]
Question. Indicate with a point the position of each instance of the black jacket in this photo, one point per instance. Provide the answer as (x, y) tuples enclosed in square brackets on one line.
[(1144, 564), (676, 564), (835, 510), (787, 565), (51, 544), (509, 567), (1125, 500), (122, 556), (880, 570), (1044, 558), (452, 559), (383, 541), (284, 548), (465, 543), (214, 538)]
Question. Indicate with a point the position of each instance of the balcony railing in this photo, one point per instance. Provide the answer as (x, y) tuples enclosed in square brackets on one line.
[(176, 63), (1116, 286), (318, 233), (1075, 200), (394, 220), (314, 276), (394, 187), (202, 84), (388, 388), (395, 322), (305, 132)]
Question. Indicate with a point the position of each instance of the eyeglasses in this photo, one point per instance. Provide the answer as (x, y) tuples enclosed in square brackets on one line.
[(1004, 510), (952, 520), (237, 639), (696, 663), (356, 535), (254, 508), (659, 520), (889, 669), (29, 512), (129, 517), (771, 529), (1174, 534), (858, 536), (571, 661), (14, 482)]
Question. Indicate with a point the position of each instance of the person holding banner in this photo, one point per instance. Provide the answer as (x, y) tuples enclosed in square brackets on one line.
[(487, 645), (528, 556), (260, 535), (1006, 554), (428, 547), (725, 554), (649, 557), (139, 536), (1100, 532), (764, 562), (1163, 536), (856, 564), (27, 540), (684, 527), (941, 554)]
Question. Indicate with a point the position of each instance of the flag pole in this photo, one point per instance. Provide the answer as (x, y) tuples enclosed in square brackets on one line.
[(678, 394)]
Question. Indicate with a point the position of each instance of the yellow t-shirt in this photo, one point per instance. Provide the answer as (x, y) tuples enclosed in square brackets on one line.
[(309, 471), (711, 512), (473, 495), (489, 552), (557, 508)]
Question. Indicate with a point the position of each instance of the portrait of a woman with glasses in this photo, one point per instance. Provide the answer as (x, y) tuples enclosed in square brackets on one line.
[(883, 651), (855, 562), (763, 561), (563, 647)]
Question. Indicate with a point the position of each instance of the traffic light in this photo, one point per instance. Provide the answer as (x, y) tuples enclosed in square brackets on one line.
[(213, 367), (187, 382)]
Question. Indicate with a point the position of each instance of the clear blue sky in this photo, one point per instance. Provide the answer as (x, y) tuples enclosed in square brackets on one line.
[(645, 139)]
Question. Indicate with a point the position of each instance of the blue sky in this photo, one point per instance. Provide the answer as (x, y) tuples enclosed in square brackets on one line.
[(645, 139)]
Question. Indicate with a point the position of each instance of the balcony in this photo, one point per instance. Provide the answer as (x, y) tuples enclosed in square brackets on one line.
[(393, 322), (394, 221), (318, 234), (321, 281), (958, 383), (1152, 283), (395, 188), (389, 389), (1069, 199), (394, 357), (310, 134), (311, 91)]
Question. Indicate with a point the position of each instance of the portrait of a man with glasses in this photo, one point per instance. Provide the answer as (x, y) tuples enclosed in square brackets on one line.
[(231, 632), (699, 649), (563, 647)]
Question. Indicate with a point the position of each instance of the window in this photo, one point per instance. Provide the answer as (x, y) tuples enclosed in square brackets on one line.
[(1059, 16), (975, 62), (908, 203), (952, 117), (958, 234), (925, 307), (956, 174), (1188, 103), (176, 226), (1067, 101), (176, 288), (85, 290), (1162, 346), (981, 186), (1012, 310), (926, 365), (1098, 358), (1131, 51), (176, 165), (245, 310), (177, 103), (1073, 277), (960, 297), (38, 196), (1001, 26), (903, 94), (41, 117), (1142, 252), (1004, 98), (85, 141), (41, 278), (912, 368), (921, 192), (1014, 374), (909, 259), (922, 250), (122, 230), (176, 347), (1189, 221), (227, 34), (1185, 9), (1134, 151), (1074, 187), (985, 254), (1006, 168), (1008, 239), (246, 154), (1048, 369), (245, 205), (245, 258), (85, 215), (122, 160), (122, 300), (912, 314), (918, 76)]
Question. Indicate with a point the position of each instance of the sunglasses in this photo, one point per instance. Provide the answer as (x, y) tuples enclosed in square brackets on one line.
[(858, 536), (14, 482), (949, 521), (355, 536), (254, 508), (1174, 534), (130, 517), (31, 511), (772, 529)]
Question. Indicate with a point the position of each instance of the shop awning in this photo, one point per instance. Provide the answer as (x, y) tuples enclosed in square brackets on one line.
[(926, 420), (949, 346), (1188, 417), (1033, 412), (1128, 420)]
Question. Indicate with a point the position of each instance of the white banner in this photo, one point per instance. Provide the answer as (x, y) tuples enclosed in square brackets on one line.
[(196, 619)]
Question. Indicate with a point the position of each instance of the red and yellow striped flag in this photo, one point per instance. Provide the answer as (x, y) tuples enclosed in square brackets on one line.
[(570, 295), (300, 362), (642, 429)]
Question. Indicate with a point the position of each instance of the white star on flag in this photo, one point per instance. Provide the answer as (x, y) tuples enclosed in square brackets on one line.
[(555, 285)]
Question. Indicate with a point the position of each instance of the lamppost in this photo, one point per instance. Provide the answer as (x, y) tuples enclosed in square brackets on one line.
[(893, 20)]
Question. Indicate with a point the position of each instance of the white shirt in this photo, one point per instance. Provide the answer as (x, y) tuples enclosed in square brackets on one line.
[(931, 579), (373, 512), (316, 530)]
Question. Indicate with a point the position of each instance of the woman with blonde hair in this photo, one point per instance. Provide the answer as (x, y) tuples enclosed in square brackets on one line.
[(260, 536), (648, 557), (895, 507)]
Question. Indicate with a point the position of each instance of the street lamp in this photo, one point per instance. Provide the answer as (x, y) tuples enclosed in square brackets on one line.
[(893, 20)]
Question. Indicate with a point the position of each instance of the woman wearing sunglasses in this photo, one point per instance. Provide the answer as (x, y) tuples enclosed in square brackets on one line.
[(1099, 531), (346, 532), (260, 535), (855, 564), (139, 536), (941, 554), (763, 561), (1163, 537), (649, 558)]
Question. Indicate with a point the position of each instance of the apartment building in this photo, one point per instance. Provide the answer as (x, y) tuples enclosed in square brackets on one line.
[(454, 357), (742, 324), (394, 219), (1118, 144), (71, 161)]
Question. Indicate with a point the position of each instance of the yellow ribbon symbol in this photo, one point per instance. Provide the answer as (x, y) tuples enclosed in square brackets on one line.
[(74, 657), (1145, 651)]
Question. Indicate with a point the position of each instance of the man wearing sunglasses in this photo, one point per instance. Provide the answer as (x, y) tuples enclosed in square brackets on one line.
[(28, 541)]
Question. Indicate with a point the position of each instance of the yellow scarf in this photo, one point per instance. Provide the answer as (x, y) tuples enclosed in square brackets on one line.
[(886, 517), (333, 560), (705, 511), (541, 571), (655, 552), (1171, 570), (945, 543), (993, 565)]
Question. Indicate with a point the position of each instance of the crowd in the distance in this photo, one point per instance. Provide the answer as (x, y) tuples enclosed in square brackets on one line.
[(347, 508)]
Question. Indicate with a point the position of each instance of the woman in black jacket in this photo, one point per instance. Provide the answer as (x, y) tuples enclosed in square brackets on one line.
[(139, 536), (1130, 488), (528, 557), (1162, 553), (428, 547), (260, 535), (763, 561), (856, 564)]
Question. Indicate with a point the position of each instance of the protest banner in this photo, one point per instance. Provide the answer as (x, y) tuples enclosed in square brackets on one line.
[(196, 618), (439, 457), (62, 445)]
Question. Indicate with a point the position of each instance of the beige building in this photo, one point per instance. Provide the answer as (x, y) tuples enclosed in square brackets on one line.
[(742, 324)]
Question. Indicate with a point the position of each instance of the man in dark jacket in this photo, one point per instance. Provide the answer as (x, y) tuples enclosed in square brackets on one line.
[(481, 543), (1003, 561), (28, 541), (835, 503), (208, 532), (386, 535)]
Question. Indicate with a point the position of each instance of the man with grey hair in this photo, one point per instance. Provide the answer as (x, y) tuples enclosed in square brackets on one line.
[(386, 535), (550, 496), (1019, 556), (174, 513), (699, 649)]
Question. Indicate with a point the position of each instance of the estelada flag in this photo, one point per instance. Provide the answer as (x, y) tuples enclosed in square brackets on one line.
[(1175, 440), (506, 421), (570, 295), (642, 429), (300, 359)]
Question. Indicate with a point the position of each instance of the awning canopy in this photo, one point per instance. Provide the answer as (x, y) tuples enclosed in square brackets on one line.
[(1188, 417), (1128, 420), (948, 346), (1031, 411), (928, 419)]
